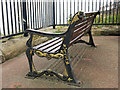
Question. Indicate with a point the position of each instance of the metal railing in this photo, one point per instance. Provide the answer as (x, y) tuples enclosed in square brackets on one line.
[(11, 18), (109, 11), (17, 15), (39, 13)]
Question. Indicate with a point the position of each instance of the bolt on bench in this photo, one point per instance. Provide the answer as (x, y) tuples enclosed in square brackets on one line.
[(58, 46)]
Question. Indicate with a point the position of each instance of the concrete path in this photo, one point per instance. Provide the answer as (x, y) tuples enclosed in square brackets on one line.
[(95, 67)]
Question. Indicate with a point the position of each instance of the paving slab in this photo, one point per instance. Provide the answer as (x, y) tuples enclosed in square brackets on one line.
[(95, 67)]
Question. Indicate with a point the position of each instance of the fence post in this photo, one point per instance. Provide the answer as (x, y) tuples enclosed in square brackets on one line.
[(53, 14), (24, 18)]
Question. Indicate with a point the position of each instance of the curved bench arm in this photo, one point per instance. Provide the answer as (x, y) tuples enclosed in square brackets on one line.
[(91, 13), (47, 34)]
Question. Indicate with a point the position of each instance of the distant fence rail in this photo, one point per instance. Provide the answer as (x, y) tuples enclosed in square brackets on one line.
[(39, 13), (17, 15), (110, 11), (11, 18)]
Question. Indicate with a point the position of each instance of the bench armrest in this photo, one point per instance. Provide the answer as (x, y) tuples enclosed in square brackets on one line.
[(91, 13), (47, 34)]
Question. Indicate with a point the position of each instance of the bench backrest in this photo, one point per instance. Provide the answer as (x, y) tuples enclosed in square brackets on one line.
[(80, 24)]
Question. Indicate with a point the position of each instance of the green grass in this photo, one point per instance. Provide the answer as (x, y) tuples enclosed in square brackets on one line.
[(59, 28), (58, 31)]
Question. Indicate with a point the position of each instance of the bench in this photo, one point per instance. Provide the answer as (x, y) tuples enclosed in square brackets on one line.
[(57, 47)]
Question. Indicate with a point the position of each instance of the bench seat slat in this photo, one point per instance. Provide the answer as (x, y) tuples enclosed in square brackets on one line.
[(74, 40), (80, 31), (79, 35), (80, 23), (51, 44), (54, 48), (46, 43), (80, 28), (84, 20)]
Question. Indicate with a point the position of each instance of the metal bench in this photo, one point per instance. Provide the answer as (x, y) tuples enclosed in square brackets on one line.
[(58, 46)]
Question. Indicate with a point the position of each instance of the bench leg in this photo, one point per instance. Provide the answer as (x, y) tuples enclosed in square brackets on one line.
[(91, 42), (29, 55), (69, 70)]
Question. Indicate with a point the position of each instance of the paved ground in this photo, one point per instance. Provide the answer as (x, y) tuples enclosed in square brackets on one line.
[(95, 67)]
